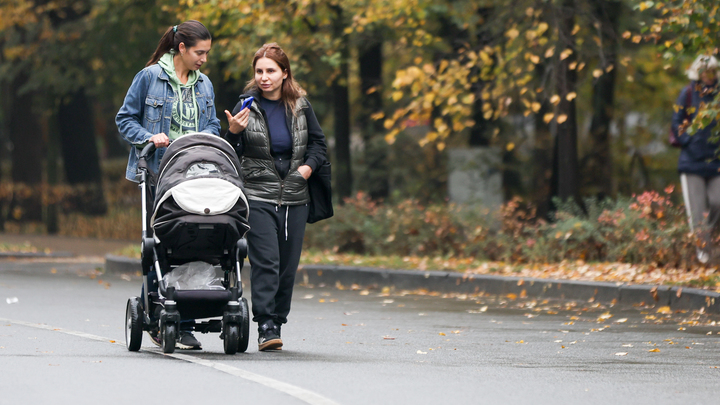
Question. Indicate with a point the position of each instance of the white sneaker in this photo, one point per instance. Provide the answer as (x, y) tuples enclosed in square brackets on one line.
[(703, 256)]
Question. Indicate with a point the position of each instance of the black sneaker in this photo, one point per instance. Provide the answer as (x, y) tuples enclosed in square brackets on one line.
[(269, 337), (187, 341)]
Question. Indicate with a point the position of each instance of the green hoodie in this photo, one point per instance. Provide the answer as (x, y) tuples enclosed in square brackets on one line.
[(185, 108)]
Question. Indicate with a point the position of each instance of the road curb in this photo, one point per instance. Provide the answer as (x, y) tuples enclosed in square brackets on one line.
[(121, 264), (33, 255), (681, 299)]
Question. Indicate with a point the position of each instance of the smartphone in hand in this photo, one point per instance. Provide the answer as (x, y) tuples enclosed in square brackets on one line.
[(246, 103)]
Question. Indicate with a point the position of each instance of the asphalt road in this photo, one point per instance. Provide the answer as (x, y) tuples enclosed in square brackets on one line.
[(62, 342)]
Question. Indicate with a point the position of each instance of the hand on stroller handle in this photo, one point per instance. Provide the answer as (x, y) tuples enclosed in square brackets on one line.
[(150, 148)]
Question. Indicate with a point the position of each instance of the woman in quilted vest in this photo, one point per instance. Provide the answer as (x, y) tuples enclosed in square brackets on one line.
[(280, 143)]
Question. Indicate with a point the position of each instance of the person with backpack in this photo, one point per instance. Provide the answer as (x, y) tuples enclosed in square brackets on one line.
[(698, 165)]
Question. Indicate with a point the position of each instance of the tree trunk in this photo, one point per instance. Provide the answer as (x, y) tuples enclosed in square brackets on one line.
[(80, 153), (27, 152), (375, 178), (341, 116), (482, 131), (599, 158), (566, 78)]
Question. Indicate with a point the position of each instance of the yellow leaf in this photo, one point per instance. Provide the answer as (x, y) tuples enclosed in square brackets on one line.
[(388, 123), (555, 99), (597, 73), (397, 95), (561, 118), (441, 334), (655, 350), (571, 96), (550, 52), (664, 310), (443, 66), (512, 296), (535, 106), (575, 30), (534, 59), (564, 55), (512, 33), (548, 117), (378, 116), (626, 34), (510, 146), (441, 146), (390, 137)]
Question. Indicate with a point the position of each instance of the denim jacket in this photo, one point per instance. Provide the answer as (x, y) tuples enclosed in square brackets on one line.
[(147, 110)]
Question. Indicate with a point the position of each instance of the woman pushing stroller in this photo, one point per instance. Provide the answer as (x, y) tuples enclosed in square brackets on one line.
[(170, 97), (280, 143)]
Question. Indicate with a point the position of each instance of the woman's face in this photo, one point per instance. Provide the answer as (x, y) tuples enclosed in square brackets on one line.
[(269, 78), (193, 58), (709, 76)]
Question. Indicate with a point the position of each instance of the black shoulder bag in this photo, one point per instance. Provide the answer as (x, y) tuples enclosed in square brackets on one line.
[(320, 189)]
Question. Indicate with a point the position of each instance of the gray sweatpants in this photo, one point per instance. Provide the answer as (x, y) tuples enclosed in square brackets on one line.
[(702, 202)]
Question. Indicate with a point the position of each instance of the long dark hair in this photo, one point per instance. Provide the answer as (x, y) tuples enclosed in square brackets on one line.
[(290, 91), (189, 33)]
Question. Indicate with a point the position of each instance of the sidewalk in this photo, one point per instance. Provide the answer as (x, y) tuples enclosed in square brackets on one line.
[(64, 246), (659, 296)]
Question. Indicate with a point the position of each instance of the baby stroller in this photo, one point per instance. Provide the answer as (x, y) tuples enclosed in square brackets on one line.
[(200, 214)]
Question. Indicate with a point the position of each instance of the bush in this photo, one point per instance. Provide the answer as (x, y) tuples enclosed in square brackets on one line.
[(643, 229)]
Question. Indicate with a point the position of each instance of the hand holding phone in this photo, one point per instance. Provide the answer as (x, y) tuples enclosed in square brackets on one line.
[(246, 103)]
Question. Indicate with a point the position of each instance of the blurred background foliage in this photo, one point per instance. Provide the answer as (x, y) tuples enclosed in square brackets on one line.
[(576, 95)]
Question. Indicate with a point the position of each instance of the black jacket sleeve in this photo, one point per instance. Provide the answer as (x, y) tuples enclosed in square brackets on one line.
[(316, 152), (235, 139)]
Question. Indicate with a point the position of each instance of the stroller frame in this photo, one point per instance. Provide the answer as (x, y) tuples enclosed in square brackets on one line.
[(160, 312)]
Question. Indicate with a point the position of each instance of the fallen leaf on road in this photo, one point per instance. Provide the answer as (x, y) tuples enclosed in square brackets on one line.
[(621, 354), (421, 352), (441, 334), (655, 350), (622, 320), (664, 310)]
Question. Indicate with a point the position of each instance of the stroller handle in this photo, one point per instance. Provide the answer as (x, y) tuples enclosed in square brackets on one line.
[(148, 150)]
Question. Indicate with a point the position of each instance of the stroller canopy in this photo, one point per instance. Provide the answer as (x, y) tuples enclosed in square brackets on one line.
[(199, 181)]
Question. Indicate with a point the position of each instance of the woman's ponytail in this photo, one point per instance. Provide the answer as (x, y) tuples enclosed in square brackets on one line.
[(189, 33)]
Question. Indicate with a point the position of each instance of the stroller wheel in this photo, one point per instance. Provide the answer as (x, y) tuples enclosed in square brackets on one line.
[(244, 326), (169, 333), (231, 338), (133, 325)]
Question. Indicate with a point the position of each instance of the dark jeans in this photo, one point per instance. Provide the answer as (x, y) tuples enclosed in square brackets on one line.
[(274, 246)]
